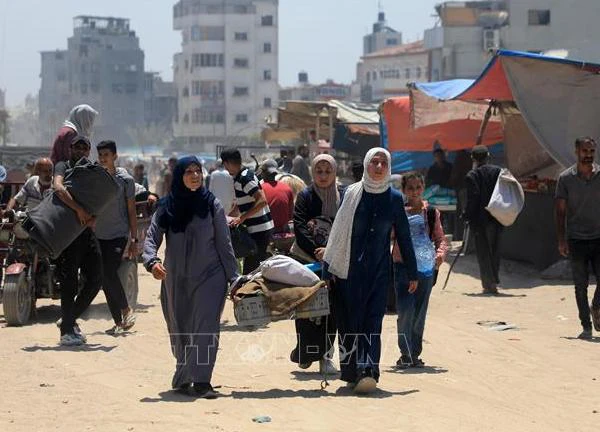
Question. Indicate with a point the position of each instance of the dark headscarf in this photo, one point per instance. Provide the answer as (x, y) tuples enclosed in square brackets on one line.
[(182, 204)]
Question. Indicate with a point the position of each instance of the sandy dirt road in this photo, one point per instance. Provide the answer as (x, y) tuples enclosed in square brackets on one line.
[(535, 378)]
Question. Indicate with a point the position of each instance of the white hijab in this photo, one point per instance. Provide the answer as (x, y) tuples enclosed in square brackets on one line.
[(339, 245), (81, 120)]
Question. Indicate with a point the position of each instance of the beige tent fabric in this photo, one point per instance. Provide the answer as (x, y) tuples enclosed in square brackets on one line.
[(559, 102), (427, 110), (524, 155)]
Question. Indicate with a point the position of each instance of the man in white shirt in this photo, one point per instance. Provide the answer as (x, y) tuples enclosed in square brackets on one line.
[(221, 185), (36, 187)]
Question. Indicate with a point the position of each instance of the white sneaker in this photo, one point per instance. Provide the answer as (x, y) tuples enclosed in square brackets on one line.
[(326, 367), (71, 339)]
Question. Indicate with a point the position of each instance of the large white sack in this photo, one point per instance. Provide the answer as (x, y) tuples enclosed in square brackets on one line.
[(286, 270), (507, 200)]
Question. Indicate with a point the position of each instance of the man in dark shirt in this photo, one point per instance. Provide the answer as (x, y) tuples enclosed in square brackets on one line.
[(83, 254), (300, 165), (578, 228), (439, 173), (480, 182), (140, 177), (284, 162)]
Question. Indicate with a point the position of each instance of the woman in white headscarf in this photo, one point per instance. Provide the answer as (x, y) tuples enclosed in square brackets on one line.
[(79, 123), (358, 255)]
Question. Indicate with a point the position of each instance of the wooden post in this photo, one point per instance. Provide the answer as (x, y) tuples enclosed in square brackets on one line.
[(484, 123), (331, 129)]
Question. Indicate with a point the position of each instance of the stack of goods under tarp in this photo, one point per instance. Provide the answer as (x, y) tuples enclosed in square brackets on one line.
[(281, 288), (437, 195), (538, 185)]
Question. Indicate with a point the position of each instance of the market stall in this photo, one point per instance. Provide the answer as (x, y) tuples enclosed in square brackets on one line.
[(544, 104), (346, 128)]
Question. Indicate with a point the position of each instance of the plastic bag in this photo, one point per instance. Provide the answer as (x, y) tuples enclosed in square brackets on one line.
[(286, 270), (507, 200), (243, 244)]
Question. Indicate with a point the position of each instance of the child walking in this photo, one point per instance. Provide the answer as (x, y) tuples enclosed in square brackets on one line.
[(430, 247)]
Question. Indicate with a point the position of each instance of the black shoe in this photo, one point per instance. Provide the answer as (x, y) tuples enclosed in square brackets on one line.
[(404, 362), (586, 334), (418, 363), (186, 390), (205, 391)]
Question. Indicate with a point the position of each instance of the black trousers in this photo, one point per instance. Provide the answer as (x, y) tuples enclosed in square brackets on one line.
[(487, 245), (262, 240), (83, 255), (585, 254), (112, 255)]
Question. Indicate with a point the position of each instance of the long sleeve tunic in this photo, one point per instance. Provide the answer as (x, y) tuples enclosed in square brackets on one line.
[(361, 299), (199, 262)]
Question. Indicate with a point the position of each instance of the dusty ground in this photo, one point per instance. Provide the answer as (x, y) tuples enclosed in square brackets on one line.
[(536, 378)]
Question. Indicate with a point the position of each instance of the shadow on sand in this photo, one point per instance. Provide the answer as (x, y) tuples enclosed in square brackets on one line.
[(426, 370), (80, 348), (176, 396), (594, 339)]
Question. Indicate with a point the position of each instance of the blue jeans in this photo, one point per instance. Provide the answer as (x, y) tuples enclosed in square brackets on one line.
[(412, 310)]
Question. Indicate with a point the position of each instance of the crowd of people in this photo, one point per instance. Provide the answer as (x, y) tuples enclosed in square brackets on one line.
[(368, 236)]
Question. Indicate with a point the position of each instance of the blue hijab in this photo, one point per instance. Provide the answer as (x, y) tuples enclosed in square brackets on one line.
[(182, 204)]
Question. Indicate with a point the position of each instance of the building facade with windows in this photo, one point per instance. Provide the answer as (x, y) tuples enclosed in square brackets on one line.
[(227, 71), (160, 101), (381, 37), (103, 66), (305, 91), (386, 73), (460, 46)]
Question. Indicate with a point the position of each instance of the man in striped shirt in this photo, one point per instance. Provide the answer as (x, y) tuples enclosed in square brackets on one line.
[(252, 204)]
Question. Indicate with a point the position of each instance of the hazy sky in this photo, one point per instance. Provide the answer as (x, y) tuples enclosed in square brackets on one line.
[(323, 37)]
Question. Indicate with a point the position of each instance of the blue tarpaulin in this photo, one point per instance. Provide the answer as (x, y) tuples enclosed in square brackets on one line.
[(445, 90)]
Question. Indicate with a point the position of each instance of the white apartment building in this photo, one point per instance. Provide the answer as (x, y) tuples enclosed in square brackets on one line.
[(386, 73), (227, 71), (468, 30)]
